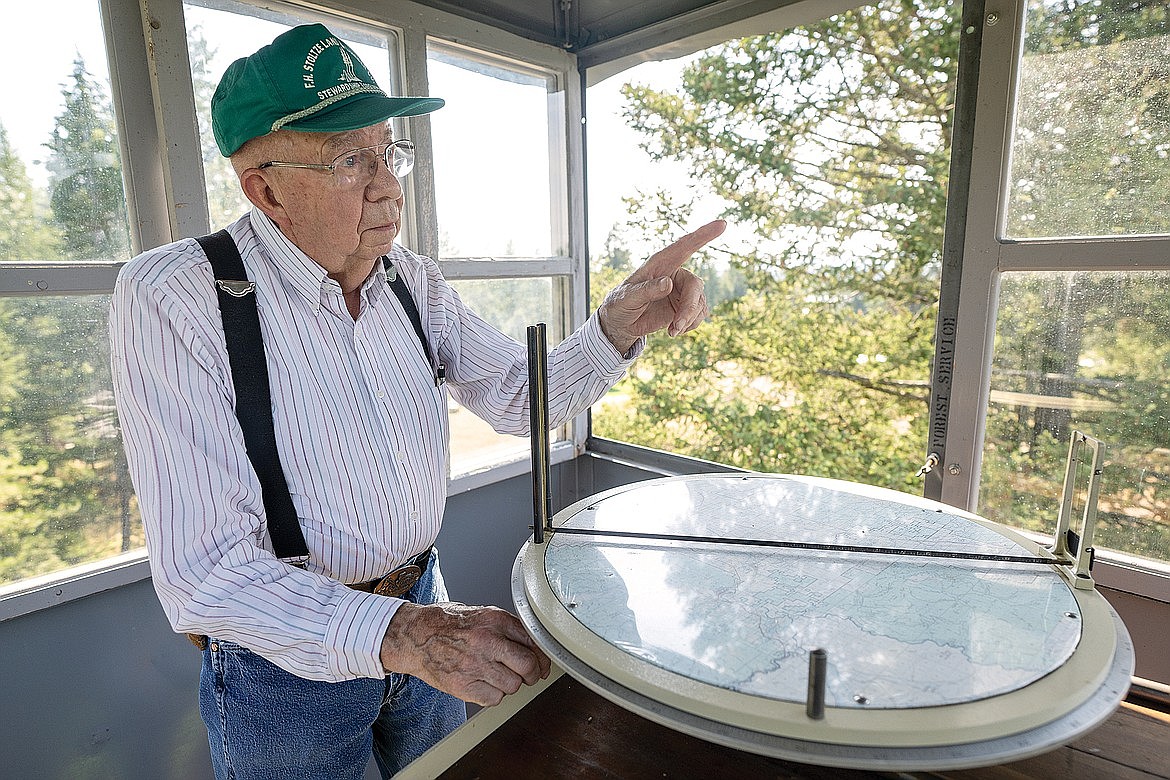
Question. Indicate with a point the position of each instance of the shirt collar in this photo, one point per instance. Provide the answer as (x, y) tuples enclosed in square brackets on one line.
[(377, 281), (299, 271)]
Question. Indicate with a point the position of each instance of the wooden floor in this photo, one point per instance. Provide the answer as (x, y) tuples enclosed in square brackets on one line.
[(1133, 743), (570, 732)]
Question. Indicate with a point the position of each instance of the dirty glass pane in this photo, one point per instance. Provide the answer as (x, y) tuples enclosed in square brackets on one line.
[(65, 495), (511, 305), (1090, 153), (1086, 351), (65, 499), (61, 194)]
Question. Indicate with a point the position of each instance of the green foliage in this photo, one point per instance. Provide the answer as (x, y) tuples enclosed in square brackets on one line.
[(225, 201), (832, 143), (25, 549), (65, 496), (751, 390), (24, 234)]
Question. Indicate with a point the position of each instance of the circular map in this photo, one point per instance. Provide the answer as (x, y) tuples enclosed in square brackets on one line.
[(899, 631), (724, 631)]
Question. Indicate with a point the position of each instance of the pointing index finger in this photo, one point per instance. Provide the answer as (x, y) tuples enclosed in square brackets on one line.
[(666, 261)]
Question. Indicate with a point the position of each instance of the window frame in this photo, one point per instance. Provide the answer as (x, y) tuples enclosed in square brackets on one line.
[(146, 199), (566, 271), (970, 288)]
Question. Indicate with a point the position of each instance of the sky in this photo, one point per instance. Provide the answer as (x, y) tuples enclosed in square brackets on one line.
[(37, 65), (617, 166), (491, 132)]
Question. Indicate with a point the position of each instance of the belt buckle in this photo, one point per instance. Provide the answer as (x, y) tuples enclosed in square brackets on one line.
[(398, 581)]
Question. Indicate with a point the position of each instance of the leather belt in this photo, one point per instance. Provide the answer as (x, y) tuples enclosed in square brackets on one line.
[(398, 581), (395, 583)]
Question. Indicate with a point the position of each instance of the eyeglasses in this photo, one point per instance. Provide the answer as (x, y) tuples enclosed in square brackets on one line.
[(358, 167)]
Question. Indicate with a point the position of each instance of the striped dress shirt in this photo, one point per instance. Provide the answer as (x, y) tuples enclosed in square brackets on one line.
[(361, 428)]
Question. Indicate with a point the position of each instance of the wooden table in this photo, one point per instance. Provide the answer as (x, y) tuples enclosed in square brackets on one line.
[(561, 729)]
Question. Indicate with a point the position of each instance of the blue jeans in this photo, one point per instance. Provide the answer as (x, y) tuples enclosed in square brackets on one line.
[(264, 722)]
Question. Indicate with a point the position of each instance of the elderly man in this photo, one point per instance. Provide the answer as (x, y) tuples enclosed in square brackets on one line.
[(305, 667)]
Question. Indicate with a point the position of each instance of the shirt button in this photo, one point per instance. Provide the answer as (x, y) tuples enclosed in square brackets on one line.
[(381, 395), (414, 515), (402, 455)]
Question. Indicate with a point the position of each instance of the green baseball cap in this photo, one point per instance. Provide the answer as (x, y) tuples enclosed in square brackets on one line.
[(306, 79)]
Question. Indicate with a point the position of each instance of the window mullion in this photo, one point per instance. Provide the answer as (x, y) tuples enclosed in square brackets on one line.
[(422, 180), (969, 330), (165, 30), (141, 145)]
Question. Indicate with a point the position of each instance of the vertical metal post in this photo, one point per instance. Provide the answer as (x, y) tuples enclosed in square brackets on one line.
[(818, 661), (538, 430)]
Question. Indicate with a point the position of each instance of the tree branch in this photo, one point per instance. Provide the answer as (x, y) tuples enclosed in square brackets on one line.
[(894, 387)]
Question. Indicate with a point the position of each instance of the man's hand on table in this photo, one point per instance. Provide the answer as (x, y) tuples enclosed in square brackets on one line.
[(479, 654)]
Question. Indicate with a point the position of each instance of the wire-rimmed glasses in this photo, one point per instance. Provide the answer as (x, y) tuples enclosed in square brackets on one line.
[(358, 167)]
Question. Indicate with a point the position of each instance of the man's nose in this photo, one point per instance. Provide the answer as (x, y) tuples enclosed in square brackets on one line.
[(384, 184)]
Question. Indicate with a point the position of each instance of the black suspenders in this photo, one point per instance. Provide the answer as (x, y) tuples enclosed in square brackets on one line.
[(403, 295), (245, 346)]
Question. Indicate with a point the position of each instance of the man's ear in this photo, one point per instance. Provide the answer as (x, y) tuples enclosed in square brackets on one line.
[(259, 191)]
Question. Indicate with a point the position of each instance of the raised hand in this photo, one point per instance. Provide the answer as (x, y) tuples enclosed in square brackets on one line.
[(660, 294)]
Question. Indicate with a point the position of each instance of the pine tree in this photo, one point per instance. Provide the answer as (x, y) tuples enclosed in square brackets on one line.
[(225, 201), (24, 234), (86, 180)]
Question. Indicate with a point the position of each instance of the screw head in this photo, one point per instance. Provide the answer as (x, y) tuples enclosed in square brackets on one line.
[(955, 469), (992, 19)]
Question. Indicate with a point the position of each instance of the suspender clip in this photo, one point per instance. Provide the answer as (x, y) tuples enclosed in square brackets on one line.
[(236, 289)]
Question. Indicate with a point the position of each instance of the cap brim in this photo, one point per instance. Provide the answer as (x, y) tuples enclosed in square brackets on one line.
[(365, 110)]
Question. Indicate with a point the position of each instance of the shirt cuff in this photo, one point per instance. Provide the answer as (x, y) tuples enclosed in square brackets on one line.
[(602, 354), (356, 633)]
